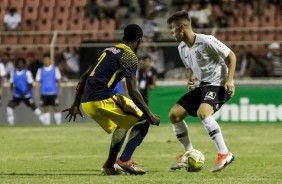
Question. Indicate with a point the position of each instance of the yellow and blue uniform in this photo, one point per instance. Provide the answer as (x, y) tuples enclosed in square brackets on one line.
[(99, 101)]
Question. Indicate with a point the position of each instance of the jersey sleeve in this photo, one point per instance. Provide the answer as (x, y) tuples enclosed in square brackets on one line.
[(2, 70), (58, 74), (218, 46), (29, 77), (129, 63), (38, 75), (11, 78)]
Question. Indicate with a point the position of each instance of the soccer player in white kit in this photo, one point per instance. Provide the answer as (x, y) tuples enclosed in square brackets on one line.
[(204, 57)]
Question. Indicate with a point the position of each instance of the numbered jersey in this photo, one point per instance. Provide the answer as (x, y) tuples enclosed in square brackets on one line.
[(114, 64)]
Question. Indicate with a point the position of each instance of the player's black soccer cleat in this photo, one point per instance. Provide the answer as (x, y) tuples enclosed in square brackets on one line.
[(108, 169)]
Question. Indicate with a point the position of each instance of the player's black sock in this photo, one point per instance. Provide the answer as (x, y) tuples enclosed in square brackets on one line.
[(117, 141), (135, 138)]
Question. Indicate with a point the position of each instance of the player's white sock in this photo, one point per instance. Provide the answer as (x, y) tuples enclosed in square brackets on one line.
[(180, 129), (58, 117), (214, 131), (10, 116), (38, 113), (46, 118)]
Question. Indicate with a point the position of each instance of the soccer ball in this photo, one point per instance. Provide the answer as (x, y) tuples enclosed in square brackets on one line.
[(194, 160)]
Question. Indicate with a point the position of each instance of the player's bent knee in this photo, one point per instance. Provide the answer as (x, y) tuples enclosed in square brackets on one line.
[(202, 115), (174, 117), (11, 104)]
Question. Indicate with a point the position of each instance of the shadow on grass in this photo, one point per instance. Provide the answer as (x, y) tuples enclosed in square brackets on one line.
[(57, 173)]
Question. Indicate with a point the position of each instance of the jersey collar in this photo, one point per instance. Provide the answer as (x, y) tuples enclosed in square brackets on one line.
[(122, 45)]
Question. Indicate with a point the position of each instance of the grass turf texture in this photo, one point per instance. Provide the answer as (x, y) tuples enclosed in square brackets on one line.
[(74, 153)]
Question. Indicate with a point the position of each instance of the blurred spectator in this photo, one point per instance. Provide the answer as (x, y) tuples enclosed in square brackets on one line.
[(157, 56), (34, 63), (160, 6), (201, 14), (110, 8), (192, 9), (92, 10), (12, 20), (9, 64), (2, 75), (151, 30), (147, 77), (275, 57), (48, 80), (251, 66), (69, 64), (21, 82), (143, 5), (126, 18)]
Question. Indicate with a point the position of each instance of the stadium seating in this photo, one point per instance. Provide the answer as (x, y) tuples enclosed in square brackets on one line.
[(26, 39), (44, 24), (32, 3), (10, 39), (76, 24), (108, 25), (60, 24), (77, 11), (79, 2), (30, 13), (28, 25), (48, 2), (46, 12), (64, 15), (19, 4)]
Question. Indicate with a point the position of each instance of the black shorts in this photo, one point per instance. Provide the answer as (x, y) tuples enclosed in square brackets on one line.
[(46, 100), (216, 96), (27, 101)]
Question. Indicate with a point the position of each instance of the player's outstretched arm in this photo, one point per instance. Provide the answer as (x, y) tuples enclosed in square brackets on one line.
[(139, 101), (74, 109)]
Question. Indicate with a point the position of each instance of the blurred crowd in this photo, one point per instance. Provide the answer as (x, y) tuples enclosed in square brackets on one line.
[(152, 15)]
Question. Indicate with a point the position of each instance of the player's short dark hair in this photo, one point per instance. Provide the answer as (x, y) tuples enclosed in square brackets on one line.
[(46, 55), (147, 57), (20, 59), (132, 33), (179, 15)]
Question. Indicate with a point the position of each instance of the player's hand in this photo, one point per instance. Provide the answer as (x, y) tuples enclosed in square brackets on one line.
[(72, 112), (191, 85), (154, 119), (229, 87)]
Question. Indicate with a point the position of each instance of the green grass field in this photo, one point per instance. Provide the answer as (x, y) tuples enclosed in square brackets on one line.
[(74, 153)]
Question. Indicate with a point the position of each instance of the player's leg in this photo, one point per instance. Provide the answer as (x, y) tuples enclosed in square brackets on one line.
[(91, 109), (214, 98), (10, 110), (29, 102), (57, 109), (181, 131), (135, 138), (46, 117), (179, 126), (57, 114), (117, 141), (186, 105)]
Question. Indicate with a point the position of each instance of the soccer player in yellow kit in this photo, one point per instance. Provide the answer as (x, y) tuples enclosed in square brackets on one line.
[(113, 112)]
